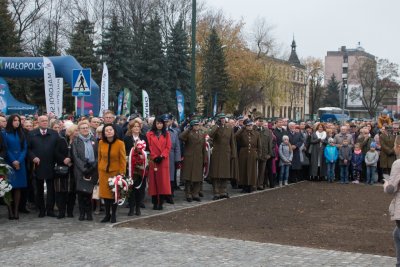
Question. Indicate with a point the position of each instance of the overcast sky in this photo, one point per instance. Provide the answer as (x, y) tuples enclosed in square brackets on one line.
[(321, 25)]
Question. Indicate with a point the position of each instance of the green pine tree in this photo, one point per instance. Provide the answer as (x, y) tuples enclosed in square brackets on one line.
[(82, 46), (153, 69), (10, 45), (331, 98), (116, 50), (178, 63), (47, 48), (214, 75)]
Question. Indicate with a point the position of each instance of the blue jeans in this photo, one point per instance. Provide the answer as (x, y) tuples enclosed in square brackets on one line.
[(370, 174), (330, 171), (284, 175), (344, 173)]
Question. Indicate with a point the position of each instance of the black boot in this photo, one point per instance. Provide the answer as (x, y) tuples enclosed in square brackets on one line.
[(81, 213), (107, 204), (131, 201), (137, 210), (154, 200), (114, 213), (61, 214), (88, 209), (160, 203)]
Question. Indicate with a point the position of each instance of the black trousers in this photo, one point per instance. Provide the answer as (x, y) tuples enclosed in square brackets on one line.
[(269, 176), (65, 202), (137, 195), (84, 202), (50, 197)]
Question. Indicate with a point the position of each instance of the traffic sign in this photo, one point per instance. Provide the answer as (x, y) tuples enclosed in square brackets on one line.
[(81, 82)]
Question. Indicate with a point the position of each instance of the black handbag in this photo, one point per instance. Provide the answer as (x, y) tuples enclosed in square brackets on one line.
[(61, 170)]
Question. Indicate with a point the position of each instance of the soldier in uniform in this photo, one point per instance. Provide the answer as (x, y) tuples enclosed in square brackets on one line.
[(223, 155), (266, 152), (249, 143), (387, 155), (194, 159)]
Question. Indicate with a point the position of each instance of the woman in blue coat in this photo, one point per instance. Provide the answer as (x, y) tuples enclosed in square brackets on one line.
[(16, 152)]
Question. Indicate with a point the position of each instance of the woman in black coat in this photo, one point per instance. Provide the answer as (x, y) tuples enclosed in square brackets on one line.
[(133, 135), (64, 184)]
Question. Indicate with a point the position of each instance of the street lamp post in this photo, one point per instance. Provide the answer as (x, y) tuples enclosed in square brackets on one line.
[(193, 69)]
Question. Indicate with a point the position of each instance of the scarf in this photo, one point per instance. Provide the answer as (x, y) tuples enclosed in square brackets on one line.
[(89, 152), (321, 135)]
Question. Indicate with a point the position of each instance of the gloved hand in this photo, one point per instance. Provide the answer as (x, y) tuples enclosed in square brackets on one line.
[(158, 159)]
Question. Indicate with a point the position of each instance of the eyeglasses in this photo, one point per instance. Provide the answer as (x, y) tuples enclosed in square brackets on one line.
[(83, 128)]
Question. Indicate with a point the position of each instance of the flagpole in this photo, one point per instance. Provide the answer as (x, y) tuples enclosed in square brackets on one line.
[(82, 105)]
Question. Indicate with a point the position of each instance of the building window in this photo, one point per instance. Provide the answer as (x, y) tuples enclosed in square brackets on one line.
[(269, 112), (345, 70), (345, 59)]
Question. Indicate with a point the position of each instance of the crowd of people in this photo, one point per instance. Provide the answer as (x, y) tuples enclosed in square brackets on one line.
[(55, 161)]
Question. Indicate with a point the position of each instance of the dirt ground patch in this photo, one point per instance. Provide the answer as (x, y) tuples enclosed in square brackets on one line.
[(319, 215)]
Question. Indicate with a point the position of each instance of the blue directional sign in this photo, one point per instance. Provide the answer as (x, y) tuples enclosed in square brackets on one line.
[(81, 82)]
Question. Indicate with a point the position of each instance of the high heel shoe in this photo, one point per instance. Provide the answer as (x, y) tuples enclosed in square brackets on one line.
[(106, 219)]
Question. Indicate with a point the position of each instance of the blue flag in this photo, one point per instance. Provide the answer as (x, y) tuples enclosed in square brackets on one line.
[(120, 101), (180, 101)]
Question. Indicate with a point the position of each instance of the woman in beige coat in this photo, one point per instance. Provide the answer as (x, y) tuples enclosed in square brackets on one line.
[(391, 186)]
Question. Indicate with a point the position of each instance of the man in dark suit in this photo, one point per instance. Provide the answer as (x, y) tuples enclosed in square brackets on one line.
[(42, 143), (109, 118)]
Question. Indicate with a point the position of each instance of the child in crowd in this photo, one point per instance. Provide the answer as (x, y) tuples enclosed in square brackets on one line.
[(356, 162), (371, 161), (285, 155), (331, 155), (345, 154)]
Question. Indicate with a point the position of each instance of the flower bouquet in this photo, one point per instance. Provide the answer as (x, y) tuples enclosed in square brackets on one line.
[(138, 162), (120, 185), (5, 186)]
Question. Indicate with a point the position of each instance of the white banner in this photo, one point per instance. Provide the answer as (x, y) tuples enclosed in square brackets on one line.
[(58, 97), (49, 85), (146, 104), (104, 91)]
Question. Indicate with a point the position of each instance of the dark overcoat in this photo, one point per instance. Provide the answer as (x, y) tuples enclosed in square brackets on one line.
[(64, 150), (296, 139), (43, 147)]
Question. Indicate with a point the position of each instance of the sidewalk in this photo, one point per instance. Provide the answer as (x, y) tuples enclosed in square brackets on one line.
[(34, 241)]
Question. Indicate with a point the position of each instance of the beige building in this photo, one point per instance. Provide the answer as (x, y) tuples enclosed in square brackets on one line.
[(344, 64), (286, 91)]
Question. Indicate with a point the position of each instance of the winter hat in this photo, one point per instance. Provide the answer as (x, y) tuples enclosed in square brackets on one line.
[(285, 137), (330, 140), (372, 145)]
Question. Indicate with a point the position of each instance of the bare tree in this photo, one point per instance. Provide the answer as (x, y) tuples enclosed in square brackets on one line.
[(263, 37), (24, 14), (377, 80), (315, 76)]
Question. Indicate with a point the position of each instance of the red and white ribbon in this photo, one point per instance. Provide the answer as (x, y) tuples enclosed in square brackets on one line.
[(117, 194)]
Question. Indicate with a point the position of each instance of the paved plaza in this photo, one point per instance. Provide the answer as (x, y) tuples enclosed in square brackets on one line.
[(33, 241)]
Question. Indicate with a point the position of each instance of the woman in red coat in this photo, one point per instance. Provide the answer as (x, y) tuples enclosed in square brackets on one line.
[(159, 144)]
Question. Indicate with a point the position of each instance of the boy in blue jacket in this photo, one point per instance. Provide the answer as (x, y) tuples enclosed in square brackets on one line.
[(331, 155)]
